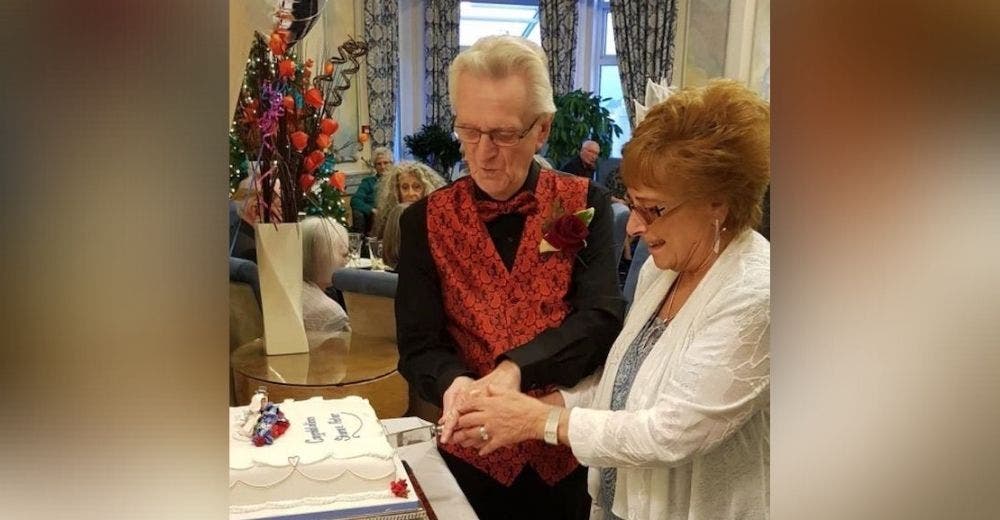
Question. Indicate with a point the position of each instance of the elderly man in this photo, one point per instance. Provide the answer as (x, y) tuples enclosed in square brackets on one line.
[(584, 164), (481, 303), (363, 203)]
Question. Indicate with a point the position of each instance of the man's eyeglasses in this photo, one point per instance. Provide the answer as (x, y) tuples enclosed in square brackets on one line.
[(500, 136), (650, 214)]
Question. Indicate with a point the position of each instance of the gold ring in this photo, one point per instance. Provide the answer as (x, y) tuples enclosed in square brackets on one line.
[(482, 433)]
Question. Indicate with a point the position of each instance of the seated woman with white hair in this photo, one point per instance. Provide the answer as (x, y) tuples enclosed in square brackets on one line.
[(324, 250), (406, 182)]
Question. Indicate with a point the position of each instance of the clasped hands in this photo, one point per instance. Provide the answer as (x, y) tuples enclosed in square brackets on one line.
[(491, 412)]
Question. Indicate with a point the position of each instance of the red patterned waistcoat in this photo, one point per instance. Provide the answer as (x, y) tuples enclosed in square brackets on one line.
[(491, 310)]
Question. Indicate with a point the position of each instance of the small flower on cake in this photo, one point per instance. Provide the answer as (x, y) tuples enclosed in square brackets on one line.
[(566, 231), (400, 488)]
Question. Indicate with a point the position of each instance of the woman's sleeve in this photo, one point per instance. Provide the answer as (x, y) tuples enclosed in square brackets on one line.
[(582, 394), (723, 379)]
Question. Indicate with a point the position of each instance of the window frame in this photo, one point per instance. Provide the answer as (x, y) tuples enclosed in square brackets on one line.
[(529, 28)]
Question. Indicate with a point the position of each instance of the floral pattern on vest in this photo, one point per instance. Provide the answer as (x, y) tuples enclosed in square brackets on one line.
[(492, 310)]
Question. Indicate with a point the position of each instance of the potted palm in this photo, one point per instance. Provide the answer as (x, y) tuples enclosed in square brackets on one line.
[(434, 146), (579, 117)]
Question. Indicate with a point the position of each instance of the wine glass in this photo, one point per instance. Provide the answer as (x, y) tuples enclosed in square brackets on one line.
[(353, 248), (375, 253)]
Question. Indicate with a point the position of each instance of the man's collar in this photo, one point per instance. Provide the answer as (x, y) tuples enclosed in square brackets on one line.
[(529, 182)]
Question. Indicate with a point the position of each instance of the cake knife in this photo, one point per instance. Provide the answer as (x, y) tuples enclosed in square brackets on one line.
[(426, 433)]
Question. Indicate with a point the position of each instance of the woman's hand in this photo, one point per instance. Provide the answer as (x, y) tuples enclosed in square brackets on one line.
[(508, 417)]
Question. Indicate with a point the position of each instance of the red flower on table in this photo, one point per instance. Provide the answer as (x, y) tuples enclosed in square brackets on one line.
[(399, 488)]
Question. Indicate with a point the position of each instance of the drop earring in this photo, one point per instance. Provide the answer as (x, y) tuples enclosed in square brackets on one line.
[(715, 248)]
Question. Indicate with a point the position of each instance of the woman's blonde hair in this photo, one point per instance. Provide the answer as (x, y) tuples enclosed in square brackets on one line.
[(388, 188), (498, 57), (391, 238), (324, 248), (708, 141)]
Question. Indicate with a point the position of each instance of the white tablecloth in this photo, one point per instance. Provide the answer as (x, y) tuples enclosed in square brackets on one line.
[(438, 483)]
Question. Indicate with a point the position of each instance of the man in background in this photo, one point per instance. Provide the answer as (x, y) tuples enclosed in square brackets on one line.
[(585, 164)]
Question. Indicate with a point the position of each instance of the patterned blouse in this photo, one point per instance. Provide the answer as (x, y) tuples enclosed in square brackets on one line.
[(631, 362)]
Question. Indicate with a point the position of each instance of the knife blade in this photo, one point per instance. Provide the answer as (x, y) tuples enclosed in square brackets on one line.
[(426, 433)]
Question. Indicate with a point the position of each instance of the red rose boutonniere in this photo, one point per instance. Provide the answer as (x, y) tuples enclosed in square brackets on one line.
[(566, 231)]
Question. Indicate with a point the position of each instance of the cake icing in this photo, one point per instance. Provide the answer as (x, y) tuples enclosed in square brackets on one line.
[(333, 455)]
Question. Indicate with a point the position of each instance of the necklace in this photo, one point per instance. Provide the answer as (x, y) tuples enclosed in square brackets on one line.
[(670, 299)]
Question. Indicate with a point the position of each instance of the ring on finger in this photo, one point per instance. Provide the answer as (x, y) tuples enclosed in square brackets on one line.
[(482, 433)]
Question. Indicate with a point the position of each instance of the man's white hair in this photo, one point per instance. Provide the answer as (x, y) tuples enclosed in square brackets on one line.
[(498, 57)]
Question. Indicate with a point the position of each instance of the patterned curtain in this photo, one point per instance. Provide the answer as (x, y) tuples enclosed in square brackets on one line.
[(382, 35), (644, 40), (557, 19), (441, 47)]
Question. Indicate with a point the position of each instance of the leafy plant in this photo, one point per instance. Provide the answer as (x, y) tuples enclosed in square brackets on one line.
[(434, 146), (579, 117)]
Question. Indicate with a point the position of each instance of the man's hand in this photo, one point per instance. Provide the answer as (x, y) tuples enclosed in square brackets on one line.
[(506, 375), (453, 397)]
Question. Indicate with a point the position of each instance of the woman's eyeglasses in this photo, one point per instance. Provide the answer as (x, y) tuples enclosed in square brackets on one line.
[(650, 214), (500, 136)]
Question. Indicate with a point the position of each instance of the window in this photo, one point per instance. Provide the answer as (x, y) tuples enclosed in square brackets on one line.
[(607, 81), (517, 17)]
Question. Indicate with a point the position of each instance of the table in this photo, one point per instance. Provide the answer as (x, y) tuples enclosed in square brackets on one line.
[(435, 478), (336, 368)]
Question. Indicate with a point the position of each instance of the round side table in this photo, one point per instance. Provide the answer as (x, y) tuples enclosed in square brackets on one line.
[(365, 367)]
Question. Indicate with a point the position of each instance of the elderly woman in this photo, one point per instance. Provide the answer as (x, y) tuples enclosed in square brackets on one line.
[(392, 237), (363, 210), (324, 250), (408, 181), (676, 423)]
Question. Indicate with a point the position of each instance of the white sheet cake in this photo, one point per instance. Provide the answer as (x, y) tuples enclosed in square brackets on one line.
[(332, 462)]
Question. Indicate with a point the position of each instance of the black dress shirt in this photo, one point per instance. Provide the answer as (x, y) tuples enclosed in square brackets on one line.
[(576, 167), (561, 355)]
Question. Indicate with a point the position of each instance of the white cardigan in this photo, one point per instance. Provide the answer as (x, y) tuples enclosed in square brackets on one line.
[(693, 439)]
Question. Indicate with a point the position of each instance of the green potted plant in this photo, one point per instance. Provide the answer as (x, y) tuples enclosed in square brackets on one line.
[(579, 117), (434, 146)]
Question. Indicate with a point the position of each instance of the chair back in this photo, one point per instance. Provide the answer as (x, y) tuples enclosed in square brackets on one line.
[(638, 258), (604, 168), (370, 298), (620, 214)]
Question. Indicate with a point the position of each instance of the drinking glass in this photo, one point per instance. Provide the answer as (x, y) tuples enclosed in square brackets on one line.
[(375, 253), (353, 248)]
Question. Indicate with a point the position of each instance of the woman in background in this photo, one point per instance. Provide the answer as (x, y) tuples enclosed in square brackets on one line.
[(408, 181), (324, 250), (391, 236), (363, 203)]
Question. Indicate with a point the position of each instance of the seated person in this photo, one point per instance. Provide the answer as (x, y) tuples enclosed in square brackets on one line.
[(363, 210), (409, 181), (324, 250), (391, 236), (585, 164)]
